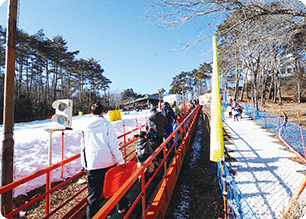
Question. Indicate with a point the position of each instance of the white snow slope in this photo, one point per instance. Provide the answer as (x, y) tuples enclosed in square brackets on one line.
[(32, 141)]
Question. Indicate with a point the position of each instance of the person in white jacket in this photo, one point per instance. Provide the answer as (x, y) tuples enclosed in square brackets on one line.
[(100, 153)]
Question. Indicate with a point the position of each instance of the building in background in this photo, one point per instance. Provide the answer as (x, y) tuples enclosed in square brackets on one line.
[(173, 97)]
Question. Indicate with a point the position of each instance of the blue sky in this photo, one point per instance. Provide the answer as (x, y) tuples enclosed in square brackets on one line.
[(133, 52)]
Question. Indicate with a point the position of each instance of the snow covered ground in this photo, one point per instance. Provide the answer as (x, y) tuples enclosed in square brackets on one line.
[(265, 175), (32, 141)]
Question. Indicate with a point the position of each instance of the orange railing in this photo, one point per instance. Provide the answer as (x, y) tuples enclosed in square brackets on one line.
[(161, 197), (49, 190), (184, 129)]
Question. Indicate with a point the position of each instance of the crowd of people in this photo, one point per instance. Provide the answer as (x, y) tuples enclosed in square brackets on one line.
[(100, 148)]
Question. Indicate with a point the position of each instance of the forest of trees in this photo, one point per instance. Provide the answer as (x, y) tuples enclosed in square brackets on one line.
[(194, 83), (257, 41), (262, 48), (46, 71)]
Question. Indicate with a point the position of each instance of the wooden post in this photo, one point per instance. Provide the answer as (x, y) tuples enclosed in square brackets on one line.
[(6, 200), (298, 112)]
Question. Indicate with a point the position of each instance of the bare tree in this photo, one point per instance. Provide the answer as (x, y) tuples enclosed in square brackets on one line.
[(249, 35), (115, 98)]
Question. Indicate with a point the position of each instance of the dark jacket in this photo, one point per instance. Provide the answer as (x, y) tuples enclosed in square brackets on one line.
[(173, 116), (160, 122), (143, 149), (154, 140)]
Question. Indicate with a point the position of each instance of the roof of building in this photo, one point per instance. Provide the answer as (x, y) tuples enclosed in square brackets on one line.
[(144, 97)]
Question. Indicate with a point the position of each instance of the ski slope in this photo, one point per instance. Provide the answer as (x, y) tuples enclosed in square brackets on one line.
[(32, 142)]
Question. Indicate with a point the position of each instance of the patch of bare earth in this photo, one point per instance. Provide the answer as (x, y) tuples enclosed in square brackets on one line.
[(291, 108)]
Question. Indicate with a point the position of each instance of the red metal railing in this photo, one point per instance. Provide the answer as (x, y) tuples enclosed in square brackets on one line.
[(164, 192), (185, 129), (26, 179), (47, 172)]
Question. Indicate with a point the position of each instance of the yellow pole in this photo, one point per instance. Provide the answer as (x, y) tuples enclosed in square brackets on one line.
[(216, 139)]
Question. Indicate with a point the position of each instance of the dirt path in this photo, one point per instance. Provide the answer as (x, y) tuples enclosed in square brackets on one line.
[(197, 193)]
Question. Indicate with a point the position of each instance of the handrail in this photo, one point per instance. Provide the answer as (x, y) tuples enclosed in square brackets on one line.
[(19, 182), (187, 125), (183, 126), (47, 171), (125, 144)]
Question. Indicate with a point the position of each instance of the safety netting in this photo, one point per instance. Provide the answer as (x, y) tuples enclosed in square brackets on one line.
[(237, 205), (294, 135)]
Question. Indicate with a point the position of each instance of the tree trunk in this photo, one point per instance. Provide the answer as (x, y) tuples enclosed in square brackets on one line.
[(255, 91), (31, 80), (27, 78), (278, 87), (263, 88), (299, 91), (271, 87), (55, 83), (237, 83), (246, 85), (243, 86), (81, 91), (69, 86), (252, 94), (20, 76), (47, 93), (91, 91), (297, 73), (275, 87)]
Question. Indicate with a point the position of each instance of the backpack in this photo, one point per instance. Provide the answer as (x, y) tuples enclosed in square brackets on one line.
[(167, 113), (143, 149), (153, 139)]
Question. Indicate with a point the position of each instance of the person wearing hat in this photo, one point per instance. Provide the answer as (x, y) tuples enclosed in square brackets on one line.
[(160, 121), (144, 150)]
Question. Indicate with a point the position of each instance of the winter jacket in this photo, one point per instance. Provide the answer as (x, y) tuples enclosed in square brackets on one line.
[(160, 122), (100, 144), (153, 138), (143, 149), (173, 116)]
